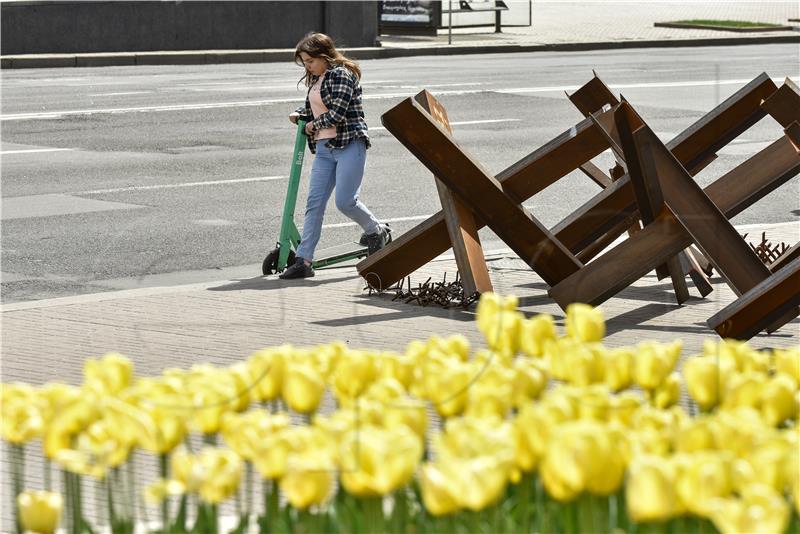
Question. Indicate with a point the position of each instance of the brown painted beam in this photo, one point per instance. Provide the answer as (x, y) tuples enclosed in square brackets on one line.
[(793, 133), (633, 258), (761, 306), (784, 104), (593, 96), (711, 231), (461, 225), (647, 189), (533, 173), (485, 195)]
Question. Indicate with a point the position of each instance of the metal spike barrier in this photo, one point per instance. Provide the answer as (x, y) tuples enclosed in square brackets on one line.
[(444, 294), (767, 252)]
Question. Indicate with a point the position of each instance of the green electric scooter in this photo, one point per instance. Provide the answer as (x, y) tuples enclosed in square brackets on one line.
[(284, 252)]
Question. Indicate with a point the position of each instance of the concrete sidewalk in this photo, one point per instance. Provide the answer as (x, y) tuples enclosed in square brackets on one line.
[(225, 321), (556, 26)]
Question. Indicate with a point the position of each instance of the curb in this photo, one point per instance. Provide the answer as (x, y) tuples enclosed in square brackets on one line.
[(209, 57)]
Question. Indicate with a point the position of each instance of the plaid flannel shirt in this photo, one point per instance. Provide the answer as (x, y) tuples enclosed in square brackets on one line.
[(341, 94)]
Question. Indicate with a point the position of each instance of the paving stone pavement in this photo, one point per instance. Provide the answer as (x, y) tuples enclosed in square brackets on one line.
[(222, 323)]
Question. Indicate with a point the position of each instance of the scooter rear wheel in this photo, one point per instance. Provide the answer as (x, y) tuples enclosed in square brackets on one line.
[(270, 263)]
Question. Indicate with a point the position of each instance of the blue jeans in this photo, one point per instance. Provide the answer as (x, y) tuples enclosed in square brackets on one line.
[(344, 169)]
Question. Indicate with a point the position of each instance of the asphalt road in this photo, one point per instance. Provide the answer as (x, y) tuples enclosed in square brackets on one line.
[(122, 177)]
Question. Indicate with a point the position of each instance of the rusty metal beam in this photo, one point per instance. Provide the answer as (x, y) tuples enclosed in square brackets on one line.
[(647, 189), (484, 194), (784, 104), (711, 231), (461, 224), (761, 306)]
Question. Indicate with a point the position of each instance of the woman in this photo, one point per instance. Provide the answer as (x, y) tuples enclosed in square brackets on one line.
[(337, 135)]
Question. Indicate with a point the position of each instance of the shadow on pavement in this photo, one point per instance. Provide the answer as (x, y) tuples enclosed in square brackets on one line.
[(262, 283)]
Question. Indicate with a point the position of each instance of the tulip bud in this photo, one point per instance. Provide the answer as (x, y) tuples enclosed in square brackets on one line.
[(650, 492), (266, 368), (39, 511), (788, 361), (534, 332), (777, 399), (439, 492), (303, 387), (669, 392), (585, 322), (706, 378)]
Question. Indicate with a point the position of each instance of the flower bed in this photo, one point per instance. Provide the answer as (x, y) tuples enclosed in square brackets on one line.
[(537, 433)]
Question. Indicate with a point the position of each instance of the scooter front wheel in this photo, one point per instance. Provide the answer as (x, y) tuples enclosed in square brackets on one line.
[(270, 263)]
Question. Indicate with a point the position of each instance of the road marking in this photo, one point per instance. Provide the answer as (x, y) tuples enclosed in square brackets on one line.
[(266, 102), (459, 123), (122, 93), (183, 184), (33, 150), (396, 219)]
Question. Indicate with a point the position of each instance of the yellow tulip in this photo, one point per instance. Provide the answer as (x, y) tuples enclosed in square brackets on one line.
[(761, 509), (108, 446), (70, 422), (376, 461), (618, 368), (354, 373), (585, 323), (223, 473), (399, 367), (669, 392), (457, 344), (480, 481), (156, 427), (213, 474), (503, 334), (623, 407), (39, 511), (488, 400), (448, 389), (384, 390), (595, 403), (528, 383), (308, 480), (650, 492), (788, 361), (266, 369), (696, 435), (22, 416), (534, 332), (469, 437), (108, 375), (245, 433), (777, 399), (80, 462), (706, 379), (585, 364), (744, 389), (439, 492), (303, 387), (654, 362), (582, 456), (409, 412), (707, 477)]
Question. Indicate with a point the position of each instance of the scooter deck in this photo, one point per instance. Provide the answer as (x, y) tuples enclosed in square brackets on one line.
[(338, 254)]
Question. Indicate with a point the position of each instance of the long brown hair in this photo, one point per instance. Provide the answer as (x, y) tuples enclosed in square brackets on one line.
[(320, 45)]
